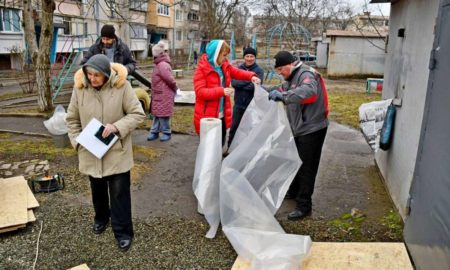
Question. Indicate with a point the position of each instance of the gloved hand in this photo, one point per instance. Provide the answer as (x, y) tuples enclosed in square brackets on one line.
[(276, 95)]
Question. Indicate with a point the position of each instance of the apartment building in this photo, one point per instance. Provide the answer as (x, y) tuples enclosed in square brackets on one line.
[(11, 34), (160, 21), (83, 20), (77, 25), (187, 34)]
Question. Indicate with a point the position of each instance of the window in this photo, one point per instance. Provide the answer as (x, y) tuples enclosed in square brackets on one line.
[(192, 16), (111, 4), (179, 15), (140, 5), (72, 26), (179, 35), (138, 31), (163, 9), (9, 20)]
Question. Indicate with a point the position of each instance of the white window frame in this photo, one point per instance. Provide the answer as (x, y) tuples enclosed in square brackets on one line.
[(163, 10), (140, 31), (140, 5), (179, 35), (179, 15), (12, 27)]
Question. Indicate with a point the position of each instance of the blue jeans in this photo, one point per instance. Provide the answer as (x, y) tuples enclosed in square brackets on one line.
[(161, 124)]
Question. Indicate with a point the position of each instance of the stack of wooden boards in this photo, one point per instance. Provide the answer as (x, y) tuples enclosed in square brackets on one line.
[(16, 204)]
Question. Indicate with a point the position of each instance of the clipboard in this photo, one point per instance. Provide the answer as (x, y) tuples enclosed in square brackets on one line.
[(91, 139)]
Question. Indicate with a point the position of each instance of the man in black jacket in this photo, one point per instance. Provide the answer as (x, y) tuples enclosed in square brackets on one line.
[(113, 47), (244, 90)]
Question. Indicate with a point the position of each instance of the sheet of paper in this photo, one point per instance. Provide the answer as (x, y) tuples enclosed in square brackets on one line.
[(88, 140)]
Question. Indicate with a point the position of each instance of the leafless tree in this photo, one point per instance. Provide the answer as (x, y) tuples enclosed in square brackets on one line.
[(216, 16), (40, 56), (239, 25)]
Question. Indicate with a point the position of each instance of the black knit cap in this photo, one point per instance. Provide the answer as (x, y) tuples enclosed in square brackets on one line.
[(108, 31), (249, 50), (283, 58)]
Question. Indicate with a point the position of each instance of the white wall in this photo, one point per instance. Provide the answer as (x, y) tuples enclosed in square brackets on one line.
[(355, 55), (406, 77), (9, 41), (322, 54)]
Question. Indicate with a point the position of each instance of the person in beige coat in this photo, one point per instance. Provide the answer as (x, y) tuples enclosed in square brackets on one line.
[(101, 91)]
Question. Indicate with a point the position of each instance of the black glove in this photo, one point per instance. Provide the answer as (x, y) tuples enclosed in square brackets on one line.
[(276, 95)]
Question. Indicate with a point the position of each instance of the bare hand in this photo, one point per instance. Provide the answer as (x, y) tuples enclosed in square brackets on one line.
[(228, 91), (109, 128), (256, 80)]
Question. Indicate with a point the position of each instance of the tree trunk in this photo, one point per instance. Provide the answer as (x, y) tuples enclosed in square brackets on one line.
[(30, 35), (42, 64)]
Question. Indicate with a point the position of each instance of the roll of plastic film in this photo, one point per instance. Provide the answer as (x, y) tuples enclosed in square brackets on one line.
[(206, 124)]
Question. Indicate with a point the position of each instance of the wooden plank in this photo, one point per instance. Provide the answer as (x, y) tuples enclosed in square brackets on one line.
[(31, 200), (13, 202), (11, 228), (31, 216), (350, 256), (80, 267)]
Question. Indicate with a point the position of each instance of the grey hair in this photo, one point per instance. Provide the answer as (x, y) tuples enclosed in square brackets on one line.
[(92, 70)]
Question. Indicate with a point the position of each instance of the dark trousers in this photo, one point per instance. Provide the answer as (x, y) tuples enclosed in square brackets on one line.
[(224, 131), (309, 148), (237, 116), (112, 198)]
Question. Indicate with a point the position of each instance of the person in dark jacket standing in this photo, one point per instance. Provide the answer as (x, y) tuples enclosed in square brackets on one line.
[(244, 90), (306, 101), (113, 47)]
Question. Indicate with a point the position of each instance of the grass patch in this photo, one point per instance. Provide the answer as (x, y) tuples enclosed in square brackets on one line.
[(44, 149), (394, 224), (144, 157), (181, 121), (7, 96), (349, 225), (4, 136), (344, 106)]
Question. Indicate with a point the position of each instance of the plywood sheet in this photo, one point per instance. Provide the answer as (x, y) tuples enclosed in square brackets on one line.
[(31, 200), (31, 216), (11, 228), (13, 202), (350, 256), (80, 267)]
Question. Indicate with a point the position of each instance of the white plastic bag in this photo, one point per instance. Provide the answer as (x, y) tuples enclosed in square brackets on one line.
[(56, 125), (254, 179), (371, 118)]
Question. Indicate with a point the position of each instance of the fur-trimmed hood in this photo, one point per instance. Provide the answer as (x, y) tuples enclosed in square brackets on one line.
[(117, 78)]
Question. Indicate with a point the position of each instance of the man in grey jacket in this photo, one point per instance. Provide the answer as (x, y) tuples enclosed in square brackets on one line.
[(305, 97)]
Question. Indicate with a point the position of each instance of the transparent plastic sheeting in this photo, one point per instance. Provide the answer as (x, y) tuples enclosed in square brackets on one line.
[(56, 125), (253, 115), (207, 172), (253, 181), (371, 118)]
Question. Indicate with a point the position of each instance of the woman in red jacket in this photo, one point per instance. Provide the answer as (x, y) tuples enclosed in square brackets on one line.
[(212, 80)]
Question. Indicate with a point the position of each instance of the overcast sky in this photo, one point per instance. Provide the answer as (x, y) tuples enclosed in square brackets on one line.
[(378, 9)]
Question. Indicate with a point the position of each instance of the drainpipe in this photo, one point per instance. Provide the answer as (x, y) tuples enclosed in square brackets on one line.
[(173, 34), (97, 22)]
